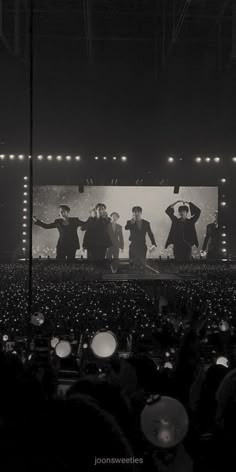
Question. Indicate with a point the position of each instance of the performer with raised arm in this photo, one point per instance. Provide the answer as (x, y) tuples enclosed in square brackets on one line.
[(68, 241), (211, 244), (139, 228), (183, 233), (116, 235), (96, 239)]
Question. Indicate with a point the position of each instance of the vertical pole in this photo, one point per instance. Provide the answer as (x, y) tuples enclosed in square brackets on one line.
[(31, 84)]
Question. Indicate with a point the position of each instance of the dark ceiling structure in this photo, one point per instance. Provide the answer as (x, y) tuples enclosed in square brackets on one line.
[(153, 76), (157, 32)]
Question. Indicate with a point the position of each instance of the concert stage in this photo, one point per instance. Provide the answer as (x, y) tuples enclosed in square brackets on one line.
[(82, 270)]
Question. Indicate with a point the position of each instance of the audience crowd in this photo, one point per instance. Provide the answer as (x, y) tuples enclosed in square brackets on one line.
[(179, 341)]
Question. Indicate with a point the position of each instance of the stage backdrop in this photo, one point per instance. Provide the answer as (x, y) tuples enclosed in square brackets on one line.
[(153, 200)]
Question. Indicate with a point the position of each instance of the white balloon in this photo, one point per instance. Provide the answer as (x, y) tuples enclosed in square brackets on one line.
[(104, 344)]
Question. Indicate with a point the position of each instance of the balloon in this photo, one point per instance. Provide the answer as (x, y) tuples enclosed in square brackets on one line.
[(104, 344), (224, 326), (54, 342), (63, 349), (37, 319), (164, 422)]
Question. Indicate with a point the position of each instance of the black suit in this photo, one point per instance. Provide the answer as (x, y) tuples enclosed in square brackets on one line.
[(212, 242), (138, 232), (116, 236), (183, 233), (96, 238), (68, 241)]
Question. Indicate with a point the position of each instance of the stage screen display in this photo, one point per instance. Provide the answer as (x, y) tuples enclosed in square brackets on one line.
[(119, 199)]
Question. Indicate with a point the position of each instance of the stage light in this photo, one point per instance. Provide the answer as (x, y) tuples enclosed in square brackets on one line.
[(104, 158), (223, 242), (24, 209), (2, 156), (223, 203), (217, 159), (23, 249), (198, 159), (234, 159), (24, 225), (223, 181), (24, 217), (124, 158), (23, 240), (223, 235), (49, 158), (24, 233), (21, 156), (208, 159), (59, 158), (25, 201), (40, 157), (25, 186), (223, 250), (68, 158), (12, 156), (25, 177), (170, 159), (114, 158), (77, 158), (25, 194)]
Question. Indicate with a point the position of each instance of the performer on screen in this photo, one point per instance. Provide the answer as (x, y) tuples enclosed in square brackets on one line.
[(139, 228), (68, 241), (116, 235), (183, 233), (211, 244), (96, 239)]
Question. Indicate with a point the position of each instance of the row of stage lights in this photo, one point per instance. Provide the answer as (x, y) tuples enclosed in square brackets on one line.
[(41, 157), (25, 216), (59, 158), (200, 160)]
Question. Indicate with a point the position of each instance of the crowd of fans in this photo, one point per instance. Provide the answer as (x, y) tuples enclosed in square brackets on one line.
[(179, 340)]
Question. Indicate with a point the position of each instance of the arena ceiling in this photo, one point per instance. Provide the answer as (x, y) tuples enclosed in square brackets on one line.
[(155, 32)]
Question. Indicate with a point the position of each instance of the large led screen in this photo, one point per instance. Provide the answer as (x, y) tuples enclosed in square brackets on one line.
[(114, 231)]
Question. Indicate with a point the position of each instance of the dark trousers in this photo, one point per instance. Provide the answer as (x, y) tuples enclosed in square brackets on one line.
[(97, 253), (182, 252), (66, 254), (137, 252), (113, 252)]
